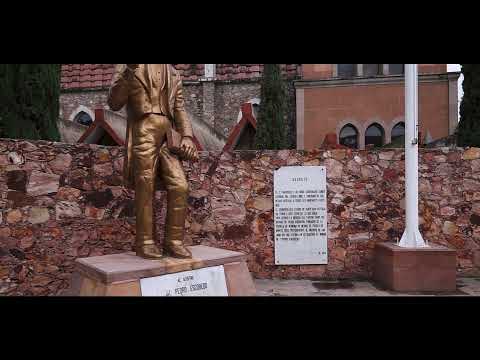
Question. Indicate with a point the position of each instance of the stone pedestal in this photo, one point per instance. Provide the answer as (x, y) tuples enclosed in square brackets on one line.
[(121, 274), (423, 269)]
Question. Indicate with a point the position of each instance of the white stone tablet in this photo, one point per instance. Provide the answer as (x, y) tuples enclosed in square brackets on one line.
[(300, 215)]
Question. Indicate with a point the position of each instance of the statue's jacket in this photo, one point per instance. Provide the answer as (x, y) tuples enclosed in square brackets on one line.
[(149, 89)]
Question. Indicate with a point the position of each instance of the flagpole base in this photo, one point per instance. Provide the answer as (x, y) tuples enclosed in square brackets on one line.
[(412, 239), (427, 269)]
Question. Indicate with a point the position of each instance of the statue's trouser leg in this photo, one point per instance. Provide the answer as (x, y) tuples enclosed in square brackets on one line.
[(175, 181), (148, 136)]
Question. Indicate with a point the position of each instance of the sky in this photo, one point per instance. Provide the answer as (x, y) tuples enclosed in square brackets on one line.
[(452, 68)]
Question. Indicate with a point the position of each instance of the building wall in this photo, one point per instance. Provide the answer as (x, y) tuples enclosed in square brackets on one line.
[(66, 201), (71, 103), (225, 102), (193, 95), (229, 97), (432, 68), (325, 103), (328, 109), (326, 71), (317, 71), (216, 103)]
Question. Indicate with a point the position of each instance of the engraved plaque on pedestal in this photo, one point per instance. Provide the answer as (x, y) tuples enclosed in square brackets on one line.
[(208, 281), (210, 272), (300, 215)]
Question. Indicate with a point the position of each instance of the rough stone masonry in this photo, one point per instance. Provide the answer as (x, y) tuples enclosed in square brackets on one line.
[(59, 202)]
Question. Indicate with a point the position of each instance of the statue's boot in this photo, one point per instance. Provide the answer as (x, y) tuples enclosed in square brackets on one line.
[(177, 249), (148, 250), (175, 224)]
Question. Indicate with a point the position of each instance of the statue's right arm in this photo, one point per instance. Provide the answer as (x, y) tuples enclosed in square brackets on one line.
[(118, 94)]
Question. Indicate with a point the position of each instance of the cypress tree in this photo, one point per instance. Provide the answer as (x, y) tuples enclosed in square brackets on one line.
[(29, 101), (468, 133), (271, 131)]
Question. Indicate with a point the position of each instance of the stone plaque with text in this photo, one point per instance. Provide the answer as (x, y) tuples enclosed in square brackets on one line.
[(208, 281), (300, 215)]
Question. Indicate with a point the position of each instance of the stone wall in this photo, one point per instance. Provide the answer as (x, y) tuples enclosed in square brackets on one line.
[(70, 102), (59, 202), (229, 98), (193, 95)]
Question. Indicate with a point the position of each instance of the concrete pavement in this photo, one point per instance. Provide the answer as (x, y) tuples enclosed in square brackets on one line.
[(277, 287)]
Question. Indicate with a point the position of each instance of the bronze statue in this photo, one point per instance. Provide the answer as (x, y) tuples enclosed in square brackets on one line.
[(155, 109)]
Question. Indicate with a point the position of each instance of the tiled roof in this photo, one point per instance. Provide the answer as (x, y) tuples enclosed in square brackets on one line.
[(94, 76), (86, 76)]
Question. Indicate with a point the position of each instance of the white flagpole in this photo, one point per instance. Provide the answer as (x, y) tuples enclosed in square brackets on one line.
[(411, 237)]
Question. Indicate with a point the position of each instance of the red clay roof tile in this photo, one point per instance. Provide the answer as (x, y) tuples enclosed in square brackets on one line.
[(84, 76)]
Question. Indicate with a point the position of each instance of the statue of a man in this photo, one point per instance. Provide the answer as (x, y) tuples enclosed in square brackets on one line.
[(154, 98)]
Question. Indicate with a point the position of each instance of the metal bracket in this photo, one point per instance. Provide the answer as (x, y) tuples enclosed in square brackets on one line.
[(415, 140)]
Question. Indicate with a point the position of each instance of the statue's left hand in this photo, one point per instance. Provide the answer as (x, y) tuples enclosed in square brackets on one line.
[(189, 150)]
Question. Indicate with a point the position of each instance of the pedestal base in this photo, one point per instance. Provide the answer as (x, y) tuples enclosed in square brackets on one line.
[(423, 269), (121, 274)]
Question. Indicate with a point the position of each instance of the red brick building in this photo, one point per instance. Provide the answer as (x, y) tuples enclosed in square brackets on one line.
[(214, 94), (364, 103), (359, 103)]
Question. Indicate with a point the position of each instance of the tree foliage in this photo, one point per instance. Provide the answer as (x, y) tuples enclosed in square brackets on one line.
[(468, 133), (29, 101), (271, 131)]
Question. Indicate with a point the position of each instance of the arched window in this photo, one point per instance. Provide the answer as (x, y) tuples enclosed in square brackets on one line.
[(349, 136), (398, 131), (374, 135), (83, 118), (370, 70), (346, 71), (395, 69)]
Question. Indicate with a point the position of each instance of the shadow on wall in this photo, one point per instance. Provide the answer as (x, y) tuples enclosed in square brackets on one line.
[(70, 131), (208, 138)]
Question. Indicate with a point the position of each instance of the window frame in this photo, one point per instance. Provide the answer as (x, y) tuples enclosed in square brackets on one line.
[(355, 72), (394, 126), (378, 73), (383, 70), (382, 130), (401, 74), (357, 136), (80, 114)]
